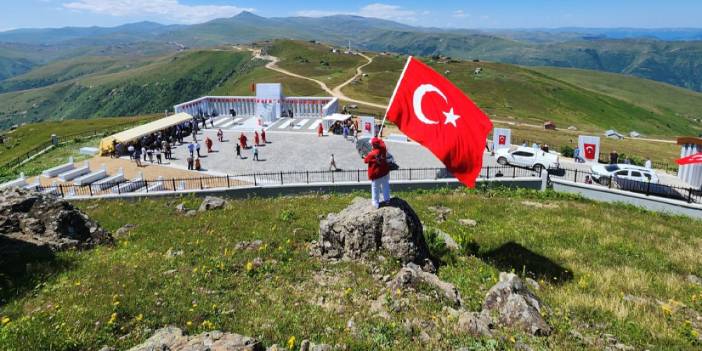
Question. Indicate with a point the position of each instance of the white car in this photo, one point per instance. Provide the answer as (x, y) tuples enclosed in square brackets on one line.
[(603, 173), (525, 156)]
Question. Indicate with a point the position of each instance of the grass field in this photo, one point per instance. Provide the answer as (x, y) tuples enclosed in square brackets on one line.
[(240, 85), (315, 61), (603, 269), (29, 136), (531, 96)]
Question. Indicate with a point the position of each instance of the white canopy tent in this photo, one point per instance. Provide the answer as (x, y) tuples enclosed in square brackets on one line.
[(328, 121)]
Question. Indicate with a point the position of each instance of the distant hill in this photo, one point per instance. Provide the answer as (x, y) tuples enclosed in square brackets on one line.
[(94, 86), (672, 56), (151, 87)]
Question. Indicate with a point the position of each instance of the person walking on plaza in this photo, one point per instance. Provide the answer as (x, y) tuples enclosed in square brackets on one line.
[(613, 157), (263, 136), (198, 166), (378, 171), (191, 149), (208, 143), (137, 157), (220, 135), (332, 163), (197, 148), (345, 132), (158, 156), (255, 153), (143, 152), (238, 151), (320, 130), (167, 150), (242, 141), (190, 162), (648, 164), (256, 139)]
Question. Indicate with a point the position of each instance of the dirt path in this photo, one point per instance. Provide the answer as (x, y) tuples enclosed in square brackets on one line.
[(336, 92)]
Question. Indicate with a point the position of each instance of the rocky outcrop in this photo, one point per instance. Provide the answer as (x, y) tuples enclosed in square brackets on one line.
[(412, 276), (173, 339), (361, 229), (211, 203), (32, 219), (515, 306)]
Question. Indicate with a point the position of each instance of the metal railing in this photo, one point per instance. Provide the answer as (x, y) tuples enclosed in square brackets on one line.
[(267, 178), (688, 194)]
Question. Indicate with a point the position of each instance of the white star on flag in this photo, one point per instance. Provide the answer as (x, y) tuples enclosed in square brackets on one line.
[(451, 117)]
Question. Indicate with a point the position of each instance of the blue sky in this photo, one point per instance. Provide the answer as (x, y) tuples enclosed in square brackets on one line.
[(446, 13)]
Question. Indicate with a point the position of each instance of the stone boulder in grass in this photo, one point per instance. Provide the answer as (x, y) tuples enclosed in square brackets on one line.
[(36, 224), (360, 229)]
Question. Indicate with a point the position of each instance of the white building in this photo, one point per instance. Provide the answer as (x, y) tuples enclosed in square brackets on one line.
[(268, 104)]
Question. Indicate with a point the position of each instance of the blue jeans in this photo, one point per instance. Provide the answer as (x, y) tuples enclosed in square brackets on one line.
[(382, 183)]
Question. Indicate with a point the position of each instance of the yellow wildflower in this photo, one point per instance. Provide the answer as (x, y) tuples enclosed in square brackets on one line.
[(214, 306), (139, 317), (189, 323), (695, 334), (113, 318), (4, 321), (667, 310), (207, 325), (249, 266), (116, 303), (512, 339), (195, 270), (291, 342), (77, 283)]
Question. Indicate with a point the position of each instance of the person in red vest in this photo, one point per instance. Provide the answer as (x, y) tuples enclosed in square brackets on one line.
[(263, 136), (378, 171), (242, 141), (208, 143), (320, 130), (256, 140)]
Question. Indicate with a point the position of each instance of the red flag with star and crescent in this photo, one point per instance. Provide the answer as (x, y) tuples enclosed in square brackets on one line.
[(432, 111)]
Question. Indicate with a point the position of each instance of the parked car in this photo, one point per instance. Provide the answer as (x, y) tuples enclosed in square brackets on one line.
[(529, 157), (603, 173)]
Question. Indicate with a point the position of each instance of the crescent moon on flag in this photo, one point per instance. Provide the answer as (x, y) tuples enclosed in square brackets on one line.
[(590, 149), (417, 101)]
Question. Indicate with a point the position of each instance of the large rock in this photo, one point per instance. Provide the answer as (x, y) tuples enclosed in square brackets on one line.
[(413, 276), (172, 339), (515, 306), (30, 218), (361, 229)]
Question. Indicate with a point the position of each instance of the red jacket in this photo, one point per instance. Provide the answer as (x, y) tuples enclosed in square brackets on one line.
[(377, 160)]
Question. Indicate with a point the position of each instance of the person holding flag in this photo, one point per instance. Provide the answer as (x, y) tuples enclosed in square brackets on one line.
[(432, 111), (378, 171)]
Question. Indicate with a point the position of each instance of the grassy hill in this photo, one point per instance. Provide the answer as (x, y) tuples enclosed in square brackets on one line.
[(148, 88), (29, 136), (611, 270), (534, 96)]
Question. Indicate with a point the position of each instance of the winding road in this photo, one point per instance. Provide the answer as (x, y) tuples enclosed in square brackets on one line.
[(336, 92)]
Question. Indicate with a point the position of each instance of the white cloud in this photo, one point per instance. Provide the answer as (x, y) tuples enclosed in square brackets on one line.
[(385, 11), (459, 14), (376, 10), (318, 13), (164, 9)]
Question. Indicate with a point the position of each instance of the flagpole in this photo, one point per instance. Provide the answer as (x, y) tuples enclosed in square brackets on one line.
[(392, 98)]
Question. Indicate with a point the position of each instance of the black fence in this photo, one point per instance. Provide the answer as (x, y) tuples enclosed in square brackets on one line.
[(262, 179), (687, 194)]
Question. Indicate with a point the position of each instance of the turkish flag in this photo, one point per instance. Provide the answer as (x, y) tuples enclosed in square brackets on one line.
[(429, 109), (589, 151), (502, 140), (688, 160)]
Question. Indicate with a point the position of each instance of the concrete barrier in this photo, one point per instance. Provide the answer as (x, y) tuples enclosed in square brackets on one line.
[(652, 203), (293, 189)]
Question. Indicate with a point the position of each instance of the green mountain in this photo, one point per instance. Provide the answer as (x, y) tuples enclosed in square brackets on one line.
[(638, 52), (151, 87), (94, 86)]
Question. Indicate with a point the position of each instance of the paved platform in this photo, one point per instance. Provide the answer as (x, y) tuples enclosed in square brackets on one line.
[(249, 124)]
